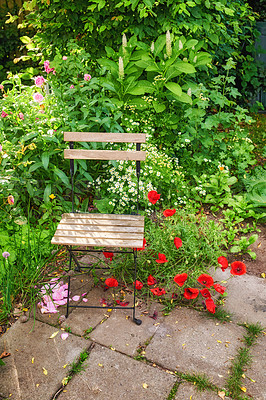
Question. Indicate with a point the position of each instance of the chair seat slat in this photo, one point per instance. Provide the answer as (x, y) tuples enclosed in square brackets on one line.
[(99, 228), (99, 235), (91, 242)]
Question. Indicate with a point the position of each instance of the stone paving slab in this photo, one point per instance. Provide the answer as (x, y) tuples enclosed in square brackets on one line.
[(246, 298), (187, 391), (257, 372), (32, 354), (121, 333), (114, 376), (188, 341), (82, 319)]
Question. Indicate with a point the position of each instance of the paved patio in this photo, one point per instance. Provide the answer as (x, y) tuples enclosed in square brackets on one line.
[(130, 361)]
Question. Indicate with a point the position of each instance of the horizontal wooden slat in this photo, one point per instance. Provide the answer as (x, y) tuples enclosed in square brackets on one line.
[(99, 228), (104, 137), (111, 217), (97, 242), (104, 222), (99, 235), (104, 155)]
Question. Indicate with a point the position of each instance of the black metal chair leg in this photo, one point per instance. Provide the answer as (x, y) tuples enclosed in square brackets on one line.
[(68, 286), (136, 320)]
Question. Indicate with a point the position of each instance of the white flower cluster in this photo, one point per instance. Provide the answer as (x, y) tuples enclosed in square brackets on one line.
[(120, 181)]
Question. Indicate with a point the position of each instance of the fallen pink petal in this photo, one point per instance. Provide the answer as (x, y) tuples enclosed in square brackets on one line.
[(64, 336), (75, 298), (85, 300)]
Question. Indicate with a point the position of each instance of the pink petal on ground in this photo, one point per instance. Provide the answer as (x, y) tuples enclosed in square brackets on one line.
[(75, 298), (65, 286), (83, 294), (64, 336), (85, 300), (51, 307), (60, 302), (54, 279), (57, 296), (46, 298)]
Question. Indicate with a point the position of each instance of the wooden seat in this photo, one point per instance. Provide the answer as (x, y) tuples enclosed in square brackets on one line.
[(110, 230)]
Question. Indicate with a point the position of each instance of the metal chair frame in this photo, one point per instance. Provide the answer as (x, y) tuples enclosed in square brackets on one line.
[(61, 238)]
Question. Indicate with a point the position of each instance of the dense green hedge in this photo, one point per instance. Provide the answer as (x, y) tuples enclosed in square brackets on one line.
[(227, 27)]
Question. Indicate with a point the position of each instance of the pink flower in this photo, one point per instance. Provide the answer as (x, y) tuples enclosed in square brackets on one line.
[(38, 97), (71, 87), (4, 114), (1, 87), (64, 58), (87, 77), (10, 200), (5, 254), (1, 148), (47, 67), (39, 81), (21, 116)]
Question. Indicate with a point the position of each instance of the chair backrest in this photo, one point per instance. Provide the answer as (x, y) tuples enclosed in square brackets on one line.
[(83, 154)]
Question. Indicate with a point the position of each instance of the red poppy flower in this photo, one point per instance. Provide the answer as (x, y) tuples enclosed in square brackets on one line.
[(157, 291), (161, 258), (138, 285), (143, 247), (238, 268), (122, 303), (219, 288), (210, 305), (108, 254), (205, 293), (191, 293), (153, 196), (223, 262), (111, 282), (177, 242), (205, 279), (169, 213), (180, 279), (151, 280)]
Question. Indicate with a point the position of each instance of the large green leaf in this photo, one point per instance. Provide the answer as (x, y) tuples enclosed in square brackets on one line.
[(185, 67), (62, 176), (174, 88), (141, 88), (158, 107), (159, 44), (45, 159), (171, 73), (47, 192)]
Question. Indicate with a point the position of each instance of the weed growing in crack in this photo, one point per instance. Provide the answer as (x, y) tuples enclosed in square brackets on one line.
[(242, 360)]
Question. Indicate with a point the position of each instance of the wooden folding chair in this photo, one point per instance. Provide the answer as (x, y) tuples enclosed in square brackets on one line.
[(101, 230)]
